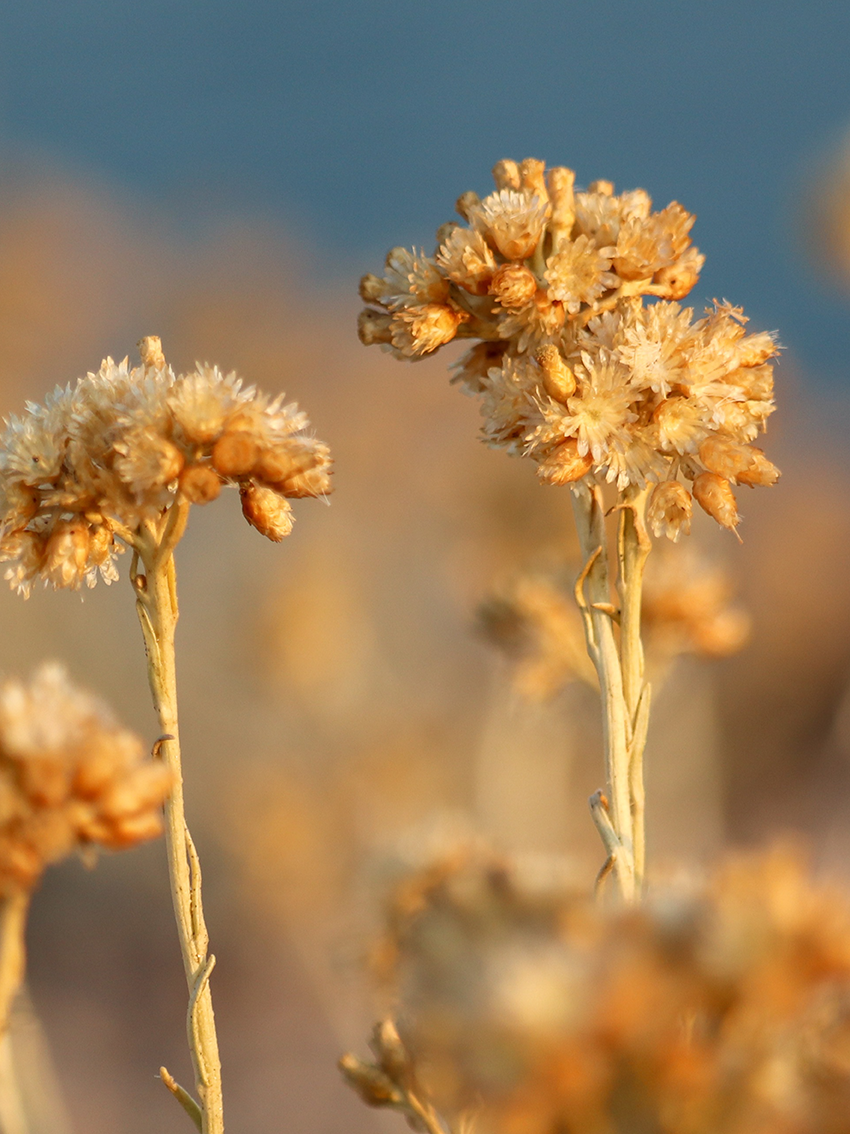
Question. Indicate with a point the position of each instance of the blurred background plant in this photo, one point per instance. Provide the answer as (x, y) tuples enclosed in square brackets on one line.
[(355, 710)]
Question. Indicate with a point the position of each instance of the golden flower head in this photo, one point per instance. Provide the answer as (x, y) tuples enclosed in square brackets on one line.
[(70, 777), (588, 281), (81, 475)]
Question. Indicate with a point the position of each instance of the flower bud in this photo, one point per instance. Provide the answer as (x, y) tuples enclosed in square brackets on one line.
[(726, 458), (199, 484), (465, 202), (444, 232), (558, 380), (372, 288), (561, 194), (513, 285), (532, 178), (235, 453), (565, 464), (604, 188), (760, 472), (372, 1084), (391, 1052), (677, 280), (374, 327), (267, 511), (714, 495), (150, 351), (669, 511), (506, 174), (66, 553)]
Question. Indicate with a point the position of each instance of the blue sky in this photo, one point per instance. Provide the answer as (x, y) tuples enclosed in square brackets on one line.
[(358, 124)]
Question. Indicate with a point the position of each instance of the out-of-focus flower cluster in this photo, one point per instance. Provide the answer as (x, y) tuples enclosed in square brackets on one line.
[(70, 777), (722, 1012), (573, 368), (82, 473), (687, 609)]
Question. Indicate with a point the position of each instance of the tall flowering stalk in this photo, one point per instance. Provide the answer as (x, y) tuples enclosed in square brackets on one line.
[(586, 362), (115, 463)]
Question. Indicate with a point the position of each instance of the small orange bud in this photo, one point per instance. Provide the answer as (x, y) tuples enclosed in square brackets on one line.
[(565, 464), (311, 482), (267, 511), (669, 511), (513, 285), (714, 495), (532, 178), (235, 453), (506, 174), (200, 484), (761, 471), (726, 458), (604, 188), (558, 380)]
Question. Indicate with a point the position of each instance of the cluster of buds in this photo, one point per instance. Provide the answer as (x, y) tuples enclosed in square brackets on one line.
[(687, 608), (70, 778), (574, 368), (527, 1010), (81, 474)]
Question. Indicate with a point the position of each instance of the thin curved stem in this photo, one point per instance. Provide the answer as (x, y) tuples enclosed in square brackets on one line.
[(156, 606)]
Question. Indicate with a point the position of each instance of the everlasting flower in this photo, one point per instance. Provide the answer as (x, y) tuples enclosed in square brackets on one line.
[(70, 777), (589, 281), (82, 475), (523, 1008)]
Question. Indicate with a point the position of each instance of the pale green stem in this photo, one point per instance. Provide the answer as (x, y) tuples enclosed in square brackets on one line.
[(156, 605)]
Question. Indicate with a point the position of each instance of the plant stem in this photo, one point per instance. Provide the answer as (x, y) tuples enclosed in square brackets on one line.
[(156, 606), (13, 924), (633, 547), (593, 592)]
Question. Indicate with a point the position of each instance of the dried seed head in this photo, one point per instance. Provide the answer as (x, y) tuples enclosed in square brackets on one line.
[(267, 511), (714, 495), (513, 285), (565, 464), (669, 511), (558, 380), (200, 484), (235, 453)]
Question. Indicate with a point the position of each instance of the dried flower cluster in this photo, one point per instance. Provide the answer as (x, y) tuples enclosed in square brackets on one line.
[(574, 369), (70, 777), (81, 474), (527, 1011), (687, 609)]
